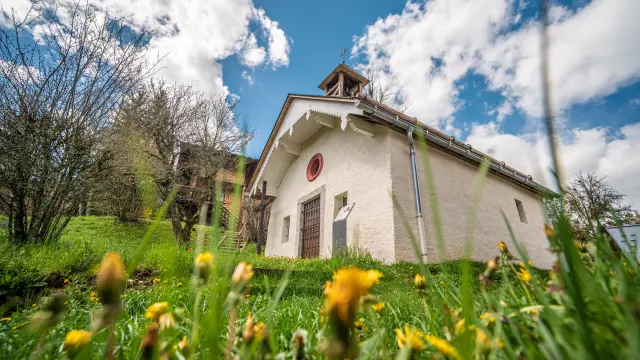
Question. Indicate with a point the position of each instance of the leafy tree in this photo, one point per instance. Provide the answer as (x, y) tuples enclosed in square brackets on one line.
[(189, 139), (57, 96), (590, 200)]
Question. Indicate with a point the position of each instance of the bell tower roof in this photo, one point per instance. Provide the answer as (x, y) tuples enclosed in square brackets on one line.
[(343, 81)]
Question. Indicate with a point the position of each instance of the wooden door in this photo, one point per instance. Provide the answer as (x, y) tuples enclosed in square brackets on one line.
[(310, 228)]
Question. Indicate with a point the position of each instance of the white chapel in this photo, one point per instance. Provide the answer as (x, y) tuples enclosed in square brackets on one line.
[(344, 170)]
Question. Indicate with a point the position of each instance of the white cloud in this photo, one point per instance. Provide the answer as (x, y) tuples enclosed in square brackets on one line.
[(426, 50), (423, 54), (251, 54), (601, 150), (248, 77), (278, 43), (195, 35)]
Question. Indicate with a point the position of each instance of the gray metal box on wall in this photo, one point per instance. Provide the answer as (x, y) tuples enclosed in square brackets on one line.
[(340, 229)]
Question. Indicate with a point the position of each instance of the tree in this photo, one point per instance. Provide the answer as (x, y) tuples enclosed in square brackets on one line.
[(589, 199), (376, 91), (58, 92), (194, 138)]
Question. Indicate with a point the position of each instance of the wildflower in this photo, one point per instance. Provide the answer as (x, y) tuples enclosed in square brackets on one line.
[(149, 341), (183, 346), (419, 281), (66, 281), (533, 310), (443, 346), (166, 321), (49, 314), (154, 311), (75, 341), (348, 286), (242, 274), (17, 326), (248, 328), (204, 264), (34, 305), (483, 341), (179, 284), (487, 318), (5, 319), (503, 247), (441, 283), (411, 337), (156, 280), (254, 330), (359, 324), (549, 231), (378, 307), (524, 275), (492, 265), (260, 330), (110, 280)]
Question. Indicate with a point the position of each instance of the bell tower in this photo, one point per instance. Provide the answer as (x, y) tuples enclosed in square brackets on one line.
[(343, 81)]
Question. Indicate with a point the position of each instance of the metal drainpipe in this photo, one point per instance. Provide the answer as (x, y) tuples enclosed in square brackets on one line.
[(416, 186)]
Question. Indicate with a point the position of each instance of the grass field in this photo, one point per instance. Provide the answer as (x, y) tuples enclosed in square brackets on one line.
[(32, 270), (523, 317)]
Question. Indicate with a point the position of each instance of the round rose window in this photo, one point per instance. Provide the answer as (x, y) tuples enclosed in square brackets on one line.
[(315, 167)]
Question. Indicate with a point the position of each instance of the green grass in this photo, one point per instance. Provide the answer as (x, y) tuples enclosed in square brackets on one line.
[(586, 308), (31, 271)]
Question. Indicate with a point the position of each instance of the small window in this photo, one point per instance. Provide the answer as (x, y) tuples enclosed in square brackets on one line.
[(285, 229), (523, 215), (338, 202)]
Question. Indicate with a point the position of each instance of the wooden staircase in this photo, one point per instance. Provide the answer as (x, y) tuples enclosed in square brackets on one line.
[(230, 242)]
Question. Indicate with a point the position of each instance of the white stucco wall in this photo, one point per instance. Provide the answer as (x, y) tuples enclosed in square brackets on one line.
[(454, 180), (354, 163)]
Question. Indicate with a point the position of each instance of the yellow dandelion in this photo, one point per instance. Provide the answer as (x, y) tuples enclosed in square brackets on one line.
[(419, 281), (248, 328), (182, 345), (179, 284), (166, 321), (483, 340), (156, 280), (66, 281), (17, 326), (242, 274), (410, 337), (443, 346), (5, 319), (110, 280), (524, 275), (503, 247), (349, 285), (154, 311), (75, 340), (549, 231), (359, 324), (378, 307), (204, 265), (34, 305), (260, 331), (492, 265), (487, 318)]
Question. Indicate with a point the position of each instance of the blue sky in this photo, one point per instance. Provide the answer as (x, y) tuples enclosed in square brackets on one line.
[(470, 68)]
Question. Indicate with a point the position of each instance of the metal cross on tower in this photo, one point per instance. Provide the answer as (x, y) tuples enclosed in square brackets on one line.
[(342, 54)]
